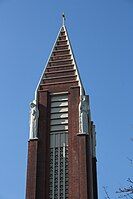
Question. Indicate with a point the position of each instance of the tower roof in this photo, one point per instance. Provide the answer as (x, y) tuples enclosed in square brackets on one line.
[(61, 67)]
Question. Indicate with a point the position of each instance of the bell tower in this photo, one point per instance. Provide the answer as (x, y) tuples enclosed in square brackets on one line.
[(61, 147)]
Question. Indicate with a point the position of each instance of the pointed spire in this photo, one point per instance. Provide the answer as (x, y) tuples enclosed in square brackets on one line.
[(61, 68), (63, 19)]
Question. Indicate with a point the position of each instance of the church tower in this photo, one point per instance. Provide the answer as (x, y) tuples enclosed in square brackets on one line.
[(61, 147)]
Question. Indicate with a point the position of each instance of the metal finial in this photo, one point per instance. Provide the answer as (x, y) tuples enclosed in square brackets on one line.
[(63, 19)]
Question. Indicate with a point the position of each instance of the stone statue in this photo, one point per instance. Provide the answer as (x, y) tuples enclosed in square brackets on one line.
[(84, 110), (93, 141), (34, 114)]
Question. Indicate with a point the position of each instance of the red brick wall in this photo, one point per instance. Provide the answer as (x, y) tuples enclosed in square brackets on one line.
[(43, 145), (31, 169)]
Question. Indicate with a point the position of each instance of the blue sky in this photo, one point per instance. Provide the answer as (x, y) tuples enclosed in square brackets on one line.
[(101, 34)]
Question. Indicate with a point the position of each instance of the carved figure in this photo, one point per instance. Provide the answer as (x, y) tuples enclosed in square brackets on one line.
[(93, 141), (34, 114), (84, 109)]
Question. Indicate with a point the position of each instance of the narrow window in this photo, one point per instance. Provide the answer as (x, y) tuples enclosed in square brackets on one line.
[(59, 147)]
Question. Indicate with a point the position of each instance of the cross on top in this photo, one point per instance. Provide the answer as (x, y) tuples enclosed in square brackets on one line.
[(63, 19)]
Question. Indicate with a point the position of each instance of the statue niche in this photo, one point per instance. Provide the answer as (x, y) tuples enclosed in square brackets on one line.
[(84, 110), (34, 114)]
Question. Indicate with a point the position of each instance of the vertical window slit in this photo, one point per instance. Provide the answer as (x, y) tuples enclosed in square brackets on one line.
[(58, 185)]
